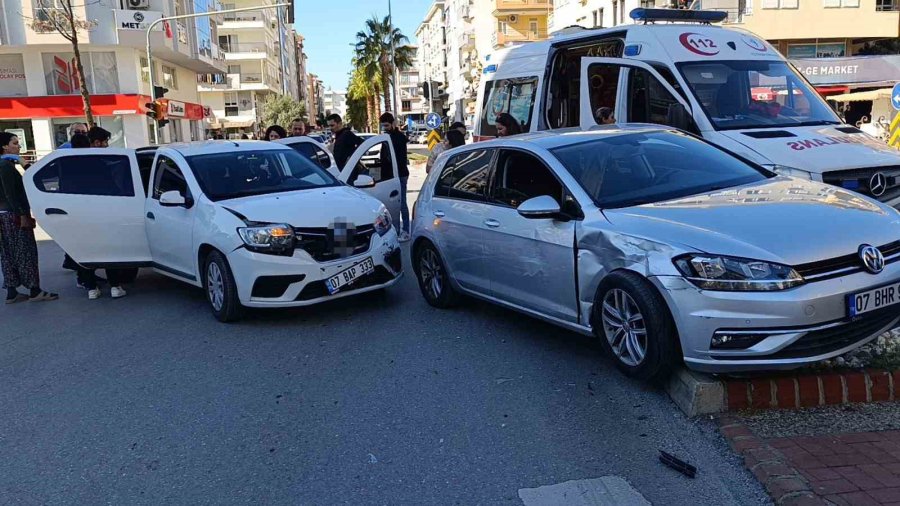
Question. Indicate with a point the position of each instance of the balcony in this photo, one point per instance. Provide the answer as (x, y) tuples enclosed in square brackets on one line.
[(466, 39), (500, 39), (247, 51), (507, 7), (246, 21)]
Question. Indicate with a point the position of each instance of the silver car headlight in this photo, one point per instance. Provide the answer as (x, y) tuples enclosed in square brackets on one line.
[(275, 238), (731, 274), (784, 170), (383, 221)]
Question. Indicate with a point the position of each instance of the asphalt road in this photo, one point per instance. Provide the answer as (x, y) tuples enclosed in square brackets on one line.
[(379, 399)]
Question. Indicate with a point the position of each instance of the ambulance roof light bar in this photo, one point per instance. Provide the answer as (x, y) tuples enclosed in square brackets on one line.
[(674, 15)]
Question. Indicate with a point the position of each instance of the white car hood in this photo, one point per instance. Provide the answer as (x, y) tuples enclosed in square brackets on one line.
[(817, 149), (785, 220), (308, 208)]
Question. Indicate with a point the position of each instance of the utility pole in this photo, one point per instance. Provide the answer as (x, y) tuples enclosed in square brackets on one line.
[(153, 96)]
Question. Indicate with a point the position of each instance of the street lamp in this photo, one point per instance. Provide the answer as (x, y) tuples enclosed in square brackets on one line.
[(190, 16), (393, 65)]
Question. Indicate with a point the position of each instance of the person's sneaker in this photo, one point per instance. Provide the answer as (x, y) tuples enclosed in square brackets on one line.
[(94, 294), (117, 292), (404, 236)]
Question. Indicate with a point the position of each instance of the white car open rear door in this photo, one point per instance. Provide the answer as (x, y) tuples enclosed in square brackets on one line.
[(313, 151), (603, 84), (383, 169), (91, 202)]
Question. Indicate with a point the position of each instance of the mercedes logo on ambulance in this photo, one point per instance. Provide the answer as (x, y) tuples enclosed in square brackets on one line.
[(878, 184), (872, 259)]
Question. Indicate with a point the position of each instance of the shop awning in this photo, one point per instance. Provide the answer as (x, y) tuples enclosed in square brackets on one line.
[(861, 96), (231, 124)]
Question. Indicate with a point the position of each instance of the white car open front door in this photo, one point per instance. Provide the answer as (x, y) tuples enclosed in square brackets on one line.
[(382, 169), (91, 202), (635, 92), (313, 151)]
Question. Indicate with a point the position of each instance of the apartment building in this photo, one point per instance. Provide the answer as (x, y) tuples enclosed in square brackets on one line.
[(432, 55), (316, 96), (259, 61), (40, 88), (520, 21), (600, 13), (335, 102), (412, 106), (303, 75), (462, 59)]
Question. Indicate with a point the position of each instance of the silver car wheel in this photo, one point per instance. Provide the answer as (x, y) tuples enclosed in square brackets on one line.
[(215, 286), (431, 273), (624, 326)]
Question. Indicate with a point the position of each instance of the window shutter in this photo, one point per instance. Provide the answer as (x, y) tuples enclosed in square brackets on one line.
[(769, 4), (851, 3), (830, 4), (790, 4)]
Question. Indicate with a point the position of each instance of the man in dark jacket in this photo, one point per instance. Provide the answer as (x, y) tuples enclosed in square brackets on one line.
[(345, 141), (398, 140)]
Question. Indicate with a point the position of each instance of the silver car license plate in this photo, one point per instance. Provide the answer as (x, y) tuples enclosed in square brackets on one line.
[(873, 300), (349, 275)]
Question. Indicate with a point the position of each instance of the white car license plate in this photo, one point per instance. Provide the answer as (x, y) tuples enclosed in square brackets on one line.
[(873, 300), (349, 275)]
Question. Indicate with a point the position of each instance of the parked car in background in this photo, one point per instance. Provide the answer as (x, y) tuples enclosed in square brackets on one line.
[(255, 224), (662, 245)]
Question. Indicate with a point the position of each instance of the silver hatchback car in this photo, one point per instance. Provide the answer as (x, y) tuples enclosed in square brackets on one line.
[(663, 246)]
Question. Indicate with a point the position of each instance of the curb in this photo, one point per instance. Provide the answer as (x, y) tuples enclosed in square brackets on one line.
[(784, 484), (700, 394)]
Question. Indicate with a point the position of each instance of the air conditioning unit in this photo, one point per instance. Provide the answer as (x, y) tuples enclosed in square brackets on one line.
[(138, 4), (513, 18)]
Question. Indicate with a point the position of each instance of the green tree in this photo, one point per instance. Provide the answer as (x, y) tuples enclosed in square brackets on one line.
[(59, 16), (282, 110), (364, 86), (373, 50)]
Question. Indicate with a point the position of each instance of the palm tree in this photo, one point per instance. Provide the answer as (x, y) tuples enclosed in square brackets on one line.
[(373, 48), (365, 83)]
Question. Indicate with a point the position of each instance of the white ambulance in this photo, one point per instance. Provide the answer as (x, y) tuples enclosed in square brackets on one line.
[(675, 68)]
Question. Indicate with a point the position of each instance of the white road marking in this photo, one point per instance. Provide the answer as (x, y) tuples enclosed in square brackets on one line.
[(605, 491)]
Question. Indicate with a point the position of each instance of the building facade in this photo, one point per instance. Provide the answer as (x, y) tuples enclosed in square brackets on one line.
[(335, 102), (412, 107), (259, 63), (432, 57), (462, 60), (40, 88), (303, 76), (520, 21)]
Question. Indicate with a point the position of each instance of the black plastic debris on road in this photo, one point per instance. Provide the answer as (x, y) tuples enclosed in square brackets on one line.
[(677, 464)]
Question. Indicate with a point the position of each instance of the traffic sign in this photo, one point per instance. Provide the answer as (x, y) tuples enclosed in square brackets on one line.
[(895, 96), (433, 121), (433, 138), (894, 132), (410, 124)]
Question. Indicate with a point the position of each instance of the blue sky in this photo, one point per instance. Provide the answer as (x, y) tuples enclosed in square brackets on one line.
[(330, 27)]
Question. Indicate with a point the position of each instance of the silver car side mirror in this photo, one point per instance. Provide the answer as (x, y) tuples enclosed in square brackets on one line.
[(537, 208), (363, 181)]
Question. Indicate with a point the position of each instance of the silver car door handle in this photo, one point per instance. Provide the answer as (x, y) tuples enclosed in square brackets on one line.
[(439, 214), (492, 223)]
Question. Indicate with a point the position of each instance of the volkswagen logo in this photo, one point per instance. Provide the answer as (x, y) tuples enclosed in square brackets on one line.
[(878, 184), (138, 17), (872, 258)]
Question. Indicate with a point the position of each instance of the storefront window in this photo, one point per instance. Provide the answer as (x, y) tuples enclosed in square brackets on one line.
[(61, 74), (830, 50), (111, 123), (12, 76)]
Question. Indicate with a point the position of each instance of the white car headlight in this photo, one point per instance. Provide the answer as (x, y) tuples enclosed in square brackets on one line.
[(784, 170), (383, 221), (731, 274), (276, 238)]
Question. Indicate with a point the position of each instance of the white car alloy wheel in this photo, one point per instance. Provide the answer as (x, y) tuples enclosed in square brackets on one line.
[(215, 286), (625, 328)]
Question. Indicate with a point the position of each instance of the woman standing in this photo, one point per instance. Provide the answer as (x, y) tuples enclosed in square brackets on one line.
[(275, 132), (18, 249)]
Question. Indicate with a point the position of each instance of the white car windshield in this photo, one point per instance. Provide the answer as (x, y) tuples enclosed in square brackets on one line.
[(635, 169), (755, 94), (240, 174)]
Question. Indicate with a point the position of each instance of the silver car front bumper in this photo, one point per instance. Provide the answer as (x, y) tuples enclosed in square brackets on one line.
[(797, 326)]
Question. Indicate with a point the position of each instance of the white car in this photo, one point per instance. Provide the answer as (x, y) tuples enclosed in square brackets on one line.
[(387, 184), (253, 223)]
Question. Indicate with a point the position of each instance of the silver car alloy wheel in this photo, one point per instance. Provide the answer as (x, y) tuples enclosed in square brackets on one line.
[(215, 286), (431, 273), (625, 327)]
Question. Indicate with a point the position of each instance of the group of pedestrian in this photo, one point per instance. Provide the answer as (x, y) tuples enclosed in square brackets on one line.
[(275, 132)]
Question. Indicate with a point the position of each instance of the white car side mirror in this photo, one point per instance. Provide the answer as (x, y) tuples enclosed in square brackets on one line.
[(537, 208), (363, 181), (172, 199)]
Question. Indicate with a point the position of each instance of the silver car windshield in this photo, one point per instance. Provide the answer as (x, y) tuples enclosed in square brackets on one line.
[(634, 169), (755, 94), (231, 175)]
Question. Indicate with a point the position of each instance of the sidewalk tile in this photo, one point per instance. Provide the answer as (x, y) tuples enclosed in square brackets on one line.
[(885, 494), (882, 474), (839, 486), (850, 459), (858, 477), (823, 474), (859, 499)]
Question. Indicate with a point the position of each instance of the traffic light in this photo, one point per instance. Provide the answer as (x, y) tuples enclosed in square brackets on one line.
[(157, 111), (426, 90), (159, 92)]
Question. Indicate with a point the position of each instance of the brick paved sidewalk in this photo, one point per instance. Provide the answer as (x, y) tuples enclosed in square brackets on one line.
[(859, 469)]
